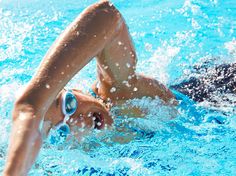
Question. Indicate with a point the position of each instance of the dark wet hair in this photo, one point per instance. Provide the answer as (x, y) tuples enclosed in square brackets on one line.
[(221, 79)]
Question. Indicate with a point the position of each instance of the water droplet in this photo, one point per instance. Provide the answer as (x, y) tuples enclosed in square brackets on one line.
[(22, 116), (127, 65), (105, 127), (75, 26), (47, 86), (113, 89), (99, 124), (94, 35), (77, 33), (126, 83), (119, 43), (117, 64), (62, 73), (148, 46), (82, 125), (90, 114), (19, 131), (135, 89)]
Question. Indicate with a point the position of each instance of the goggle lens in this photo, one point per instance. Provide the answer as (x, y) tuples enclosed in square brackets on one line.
[(70, 104)]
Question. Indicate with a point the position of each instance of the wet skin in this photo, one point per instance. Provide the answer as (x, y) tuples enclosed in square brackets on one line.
[(91, 113)]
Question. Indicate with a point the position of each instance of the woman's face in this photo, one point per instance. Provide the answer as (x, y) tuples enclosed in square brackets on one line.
[(90, 113)]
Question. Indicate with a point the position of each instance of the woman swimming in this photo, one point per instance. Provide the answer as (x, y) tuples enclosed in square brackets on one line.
[(101, 32)]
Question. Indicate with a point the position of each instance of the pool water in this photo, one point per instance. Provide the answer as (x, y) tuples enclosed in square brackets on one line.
[(171, 37)]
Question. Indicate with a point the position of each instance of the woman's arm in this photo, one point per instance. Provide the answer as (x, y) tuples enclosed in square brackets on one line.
[(77, 45)]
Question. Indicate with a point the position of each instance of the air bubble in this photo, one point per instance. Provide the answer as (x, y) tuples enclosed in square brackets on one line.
[(135, 89), (119, 43)]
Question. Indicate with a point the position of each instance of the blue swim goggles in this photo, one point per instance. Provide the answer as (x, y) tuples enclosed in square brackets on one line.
[(69, 106)]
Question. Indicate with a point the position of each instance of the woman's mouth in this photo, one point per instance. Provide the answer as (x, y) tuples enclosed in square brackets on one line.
[(98, 121)]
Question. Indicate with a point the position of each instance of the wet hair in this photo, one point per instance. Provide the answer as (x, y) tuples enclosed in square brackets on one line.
[(221, 79)]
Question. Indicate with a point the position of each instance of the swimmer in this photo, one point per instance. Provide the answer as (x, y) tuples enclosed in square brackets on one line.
[(99, 31)]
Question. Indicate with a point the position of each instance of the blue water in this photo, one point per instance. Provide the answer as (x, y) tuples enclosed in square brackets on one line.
[(170, 37)]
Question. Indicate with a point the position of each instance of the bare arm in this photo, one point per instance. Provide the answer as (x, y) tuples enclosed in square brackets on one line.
[(75, 47)]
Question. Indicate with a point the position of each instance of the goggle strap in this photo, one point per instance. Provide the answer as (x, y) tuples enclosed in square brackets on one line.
[(67, 117)]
